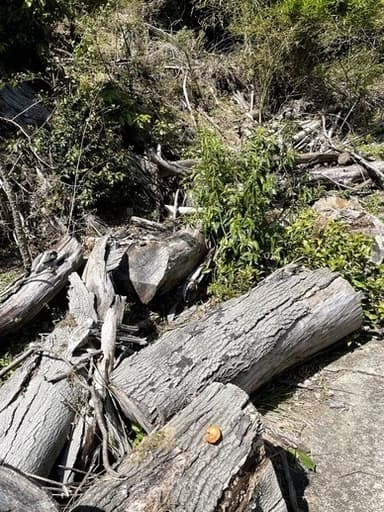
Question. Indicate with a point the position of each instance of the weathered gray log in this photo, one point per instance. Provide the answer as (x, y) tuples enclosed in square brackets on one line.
[(153, 267), (167, 168), (19, 494), (36, 414), (184, 167), (348, 175), (27, 297), (287, 318), (317, 158), (36, 407), (176, 469)]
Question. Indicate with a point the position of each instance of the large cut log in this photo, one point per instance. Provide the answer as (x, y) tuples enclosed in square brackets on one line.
[(153, 267), (38, 405), (19, 494), (177, 469), (49, 274), (287, 318)]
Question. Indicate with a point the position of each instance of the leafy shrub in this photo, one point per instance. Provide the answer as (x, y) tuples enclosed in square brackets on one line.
[(235, 190), (26, 27), (317, 243), (95, 168)]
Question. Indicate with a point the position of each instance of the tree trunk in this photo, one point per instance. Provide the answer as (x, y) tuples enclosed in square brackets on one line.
[(290, 316), (316, 158), (19, 494), (153, 267), (177, 469), (27, 297)]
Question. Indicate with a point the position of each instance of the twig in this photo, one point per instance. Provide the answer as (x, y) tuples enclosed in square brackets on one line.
[(74, 192), (21, 238), (26, 109), (27, 136), (185, 91), (17, 361), (98, 408), (175, 205), (375, 174), (73, 367)]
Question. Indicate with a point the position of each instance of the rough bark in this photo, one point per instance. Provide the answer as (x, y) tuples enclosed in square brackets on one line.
[(18, 493), (27, 297), (153, 267), (349, 175), (39, 402), (176, 469), (36, 412), (287, 318)]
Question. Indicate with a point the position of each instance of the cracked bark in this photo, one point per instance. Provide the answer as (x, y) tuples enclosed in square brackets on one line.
[(286, 319), (176, 470), (37, 409), (19, 493)]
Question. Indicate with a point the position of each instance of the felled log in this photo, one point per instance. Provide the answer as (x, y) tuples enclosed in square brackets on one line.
[(317, 158), (18, 493), (49, 274), (155, 266), (348, 175), (287, 318), (35, 412), (177, 468), (38, 403)]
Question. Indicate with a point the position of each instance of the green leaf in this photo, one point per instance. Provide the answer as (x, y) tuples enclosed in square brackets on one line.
[(305, 460)]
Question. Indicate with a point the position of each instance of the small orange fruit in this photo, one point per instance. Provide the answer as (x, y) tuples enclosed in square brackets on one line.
[(213, 434)]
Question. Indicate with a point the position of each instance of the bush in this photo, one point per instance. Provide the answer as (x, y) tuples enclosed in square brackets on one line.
[(236, 190), (93, 164), (26, 27), (316, 242)]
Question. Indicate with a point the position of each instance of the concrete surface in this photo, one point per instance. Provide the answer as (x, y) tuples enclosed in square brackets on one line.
[(337, 415)]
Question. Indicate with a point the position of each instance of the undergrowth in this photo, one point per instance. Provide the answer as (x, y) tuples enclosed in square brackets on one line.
[(254, 233), (236, 191), (318, 243)]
